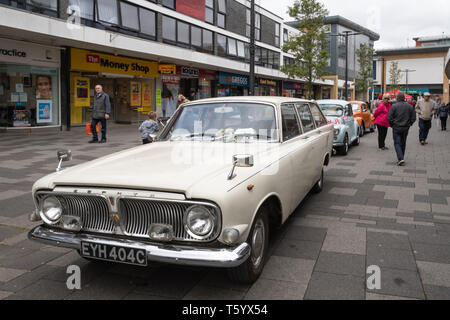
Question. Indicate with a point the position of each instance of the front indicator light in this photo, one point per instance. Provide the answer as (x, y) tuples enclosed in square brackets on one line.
[(230, 236), (161, 232), (71, 223)]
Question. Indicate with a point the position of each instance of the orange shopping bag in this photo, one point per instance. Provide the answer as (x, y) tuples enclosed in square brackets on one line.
[(88, 128)]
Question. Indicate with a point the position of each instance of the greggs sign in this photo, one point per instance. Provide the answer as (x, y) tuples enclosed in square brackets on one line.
[(84, 60)]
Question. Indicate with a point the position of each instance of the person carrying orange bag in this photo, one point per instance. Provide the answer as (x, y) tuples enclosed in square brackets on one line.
[(88, 128)]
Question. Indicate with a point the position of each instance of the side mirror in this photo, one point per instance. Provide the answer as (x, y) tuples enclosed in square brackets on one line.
[(242, 161), (63, 155)]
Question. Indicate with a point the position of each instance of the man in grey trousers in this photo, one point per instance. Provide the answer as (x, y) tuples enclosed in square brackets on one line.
[(101, 111), (401, 117)]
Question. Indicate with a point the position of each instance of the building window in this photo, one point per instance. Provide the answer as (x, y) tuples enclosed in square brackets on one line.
[(169, 4), (209, 11), (232, 47), (148, 22), (258, 27), (169, 29), (285, 36), (241, 49), (107, 11), (248, 25), (85, 7), (208, 43), (277, 35), (196, 37), (221, 14), (183, 32), (129, 16), (221, 45), (48, 7)]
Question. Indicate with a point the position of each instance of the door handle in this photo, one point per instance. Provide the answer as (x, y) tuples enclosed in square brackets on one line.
[(305, 137)]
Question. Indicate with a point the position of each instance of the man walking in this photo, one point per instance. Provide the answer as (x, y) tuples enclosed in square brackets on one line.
[(425, 110), (100, 113), (401, 117)]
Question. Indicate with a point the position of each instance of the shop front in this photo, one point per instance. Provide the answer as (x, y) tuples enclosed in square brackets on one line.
[(196, 84), (267, 87), (130, 84), (29, 86), (293, 89), (232, 85)]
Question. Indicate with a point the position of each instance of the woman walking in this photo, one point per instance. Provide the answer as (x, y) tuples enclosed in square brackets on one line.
[(381, 121), (444, 112)]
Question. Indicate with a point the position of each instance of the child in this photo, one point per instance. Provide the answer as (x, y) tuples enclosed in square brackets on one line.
[(443, 113), (149, 127)]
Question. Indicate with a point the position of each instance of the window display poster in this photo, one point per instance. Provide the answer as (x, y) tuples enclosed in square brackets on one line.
[(44, 111), (14, 97), (43, 87), (147, 96), (21, 118), (135, 100), (23, 97), (82, 98), (19, 87)]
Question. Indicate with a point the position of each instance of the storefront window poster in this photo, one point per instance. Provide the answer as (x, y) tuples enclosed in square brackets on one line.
[(147, 96), (44, 111), (43, 87), (135, 94)]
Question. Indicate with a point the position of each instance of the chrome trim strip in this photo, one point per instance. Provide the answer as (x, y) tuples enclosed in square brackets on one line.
[(164, 253)]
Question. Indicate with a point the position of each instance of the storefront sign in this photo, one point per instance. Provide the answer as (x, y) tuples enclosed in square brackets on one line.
[(293, 86), (84, 60), (168, 69), (25, 53), (188, 72), (208, 75), (233, 79), (146, 97), (135, 88), (44, 111), (81, 91), (168, 79), (267, 82)]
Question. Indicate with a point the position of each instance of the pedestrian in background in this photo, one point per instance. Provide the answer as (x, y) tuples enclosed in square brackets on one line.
[(444, 112), (148, 128), (181, 99), (382, 122), (425, 110), (101, 111), (401, 117)]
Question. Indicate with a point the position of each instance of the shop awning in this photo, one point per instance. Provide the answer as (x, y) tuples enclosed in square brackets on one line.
[(394, 92)]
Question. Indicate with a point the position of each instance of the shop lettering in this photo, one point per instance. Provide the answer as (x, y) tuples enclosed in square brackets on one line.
[(13, 53), (124, 66), (189, 72), (239, 80)]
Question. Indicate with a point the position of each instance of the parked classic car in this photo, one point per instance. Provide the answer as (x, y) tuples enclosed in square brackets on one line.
[(346, 128), (361, 113), (222, 174)]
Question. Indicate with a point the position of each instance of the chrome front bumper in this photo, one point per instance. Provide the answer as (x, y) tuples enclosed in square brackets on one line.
[(165, 253)]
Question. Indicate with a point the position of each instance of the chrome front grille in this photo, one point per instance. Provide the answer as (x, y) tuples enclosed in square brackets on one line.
[(136, 215), (93, 210)]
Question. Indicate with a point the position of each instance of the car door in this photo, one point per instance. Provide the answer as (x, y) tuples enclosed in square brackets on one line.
[(366, 115), (311, 137), (297, 149), (321, 145), (350, 122)]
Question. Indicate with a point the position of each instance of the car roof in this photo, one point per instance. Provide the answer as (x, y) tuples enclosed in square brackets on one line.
[(264, 99), (335, 101), (356, 101)]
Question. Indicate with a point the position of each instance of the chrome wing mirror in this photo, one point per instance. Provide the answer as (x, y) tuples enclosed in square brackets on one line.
[(63, 155), (242, 161)]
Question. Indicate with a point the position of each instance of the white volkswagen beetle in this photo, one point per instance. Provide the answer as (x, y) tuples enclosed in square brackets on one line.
[(222, 173)]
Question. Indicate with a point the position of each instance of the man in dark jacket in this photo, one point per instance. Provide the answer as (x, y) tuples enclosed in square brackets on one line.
[(401, 117), (100, 113)]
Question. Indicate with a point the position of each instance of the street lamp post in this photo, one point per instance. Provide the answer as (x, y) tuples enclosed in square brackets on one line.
[(407, 71)]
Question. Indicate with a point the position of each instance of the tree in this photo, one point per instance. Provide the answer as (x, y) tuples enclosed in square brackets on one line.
[(365, 76), (395, 75), (309, 47)]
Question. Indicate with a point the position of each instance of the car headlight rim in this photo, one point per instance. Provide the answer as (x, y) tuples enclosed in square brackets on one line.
[(51, 210), (208, 215)]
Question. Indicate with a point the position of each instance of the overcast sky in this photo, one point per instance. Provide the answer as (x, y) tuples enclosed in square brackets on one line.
[(396, 21)]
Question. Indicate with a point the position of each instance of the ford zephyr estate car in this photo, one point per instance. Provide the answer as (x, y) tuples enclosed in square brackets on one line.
[(220, 176)]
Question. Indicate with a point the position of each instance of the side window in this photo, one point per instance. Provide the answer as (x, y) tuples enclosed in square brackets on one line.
[(291, 128), (319, 118), (305, 117), (365, 108), (349, 111)]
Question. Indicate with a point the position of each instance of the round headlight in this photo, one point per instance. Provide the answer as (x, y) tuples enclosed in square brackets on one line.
[(199, 221), (51, 210)]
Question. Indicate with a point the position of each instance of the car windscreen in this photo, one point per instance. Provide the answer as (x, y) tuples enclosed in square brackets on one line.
[(225, 122), (332, 110)]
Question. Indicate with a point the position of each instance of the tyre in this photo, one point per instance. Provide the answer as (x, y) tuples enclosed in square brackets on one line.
[(318, 187), (363, 130), (344, 149), (251, 269), (357, 140)]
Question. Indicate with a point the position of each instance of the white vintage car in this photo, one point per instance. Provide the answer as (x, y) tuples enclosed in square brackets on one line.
[(221, 175)]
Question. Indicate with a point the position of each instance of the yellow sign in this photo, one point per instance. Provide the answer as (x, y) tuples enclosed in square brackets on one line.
[(168, 69), (84, 60), (158, 97), (146, 97), (81, 91), (135, 100)]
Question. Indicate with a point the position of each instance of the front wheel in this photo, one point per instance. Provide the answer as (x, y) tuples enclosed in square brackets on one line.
[(344, 149), (251, 269), (357, 140)]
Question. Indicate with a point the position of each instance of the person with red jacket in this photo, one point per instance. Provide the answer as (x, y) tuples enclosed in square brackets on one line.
[(382, 122)]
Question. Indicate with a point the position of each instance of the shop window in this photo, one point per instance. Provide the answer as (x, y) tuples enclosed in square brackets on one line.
[(221, 13), (241, 49), (209, 11), (129, 16), (169, 29), (221, 45), (196, 37), (232, 47), (148, 22), (208, 43), (169, 3), (107, 11), (84, 7), (182, 32)]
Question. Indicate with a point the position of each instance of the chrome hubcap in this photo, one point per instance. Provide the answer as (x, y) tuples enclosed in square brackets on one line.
[(258, 242)]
